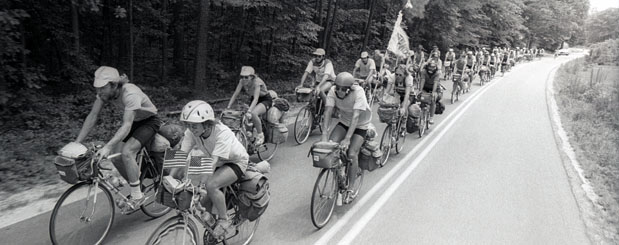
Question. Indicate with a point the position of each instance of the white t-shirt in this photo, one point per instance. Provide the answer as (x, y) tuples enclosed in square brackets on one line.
[(354, 101), (364, 69), (221, 143), (401, 88), (133, 99), (325, 69)]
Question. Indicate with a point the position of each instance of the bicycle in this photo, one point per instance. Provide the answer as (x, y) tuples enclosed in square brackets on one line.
[(455, 93), (182, 229), (308, 119), (369, 89), (394, 135), (88, 220), (483, 75), (448, 70), (424, 119), (332, 185), (244, 130)]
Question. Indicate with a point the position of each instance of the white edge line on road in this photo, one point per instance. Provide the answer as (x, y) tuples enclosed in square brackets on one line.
[(365, 219), (366, 197), (565, 143)]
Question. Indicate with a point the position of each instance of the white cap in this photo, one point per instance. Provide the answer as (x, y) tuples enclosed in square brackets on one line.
[(104, 75), (319, 51), (364, 54), (247, 71)]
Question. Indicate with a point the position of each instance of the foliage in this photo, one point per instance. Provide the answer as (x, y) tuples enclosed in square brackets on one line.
[(589, 106), (606, 52), (603, 26)]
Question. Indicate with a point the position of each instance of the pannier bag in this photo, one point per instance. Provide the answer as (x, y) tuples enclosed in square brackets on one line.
[(325, 154), (387, 112), (159, 144), (254, 194), (173, 133), (426, 98), (232, 119), (303, 94), (414, 110), (279, 133), (369, 160), (273, 94), (74, 163), (282, 104), (274, 115), (411, 124), (440, 108)]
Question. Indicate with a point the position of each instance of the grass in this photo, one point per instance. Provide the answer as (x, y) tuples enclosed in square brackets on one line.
[(588, 100)]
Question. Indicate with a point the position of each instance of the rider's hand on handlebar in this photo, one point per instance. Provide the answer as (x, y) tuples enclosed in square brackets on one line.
[(104, 152), (345, 144)]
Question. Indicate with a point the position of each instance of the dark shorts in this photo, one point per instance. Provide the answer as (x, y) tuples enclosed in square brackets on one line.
[(237, 170), (266, 100), (358, 131), (144, 130)]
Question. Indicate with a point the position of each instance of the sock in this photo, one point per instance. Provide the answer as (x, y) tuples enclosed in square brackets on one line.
[(136, 192)]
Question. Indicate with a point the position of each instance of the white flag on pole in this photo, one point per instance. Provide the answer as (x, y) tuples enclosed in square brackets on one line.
[(408, 4), (398, 44)]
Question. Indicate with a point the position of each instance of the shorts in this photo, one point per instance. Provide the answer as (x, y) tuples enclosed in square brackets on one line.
[(266, 100), (358, 131), (237, 170), (144, 130)]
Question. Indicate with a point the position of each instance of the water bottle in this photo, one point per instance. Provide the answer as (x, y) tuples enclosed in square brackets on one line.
[(114, 181)]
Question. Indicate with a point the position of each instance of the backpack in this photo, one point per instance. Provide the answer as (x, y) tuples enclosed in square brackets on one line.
[(254, 194)]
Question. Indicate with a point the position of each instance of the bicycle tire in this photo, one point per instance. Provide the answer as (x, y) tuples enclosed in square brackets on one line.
[(422, 122), (385, 144), (358, 182), (399, 142), (300, 136), (64, 232), (269, 153), (245, 229), (150, 187), (330, 195), (175, 228), (242, 137)]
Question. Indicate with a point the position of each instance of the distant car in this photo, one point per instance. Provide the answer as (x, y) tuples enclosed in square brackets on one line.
[(563, 52)]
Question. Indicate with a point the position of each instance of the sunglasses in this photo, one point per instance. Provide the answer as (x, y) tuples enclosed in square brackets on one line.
[(244, 77), (364, 58), (341, 88), (318, 56), (399, 75)]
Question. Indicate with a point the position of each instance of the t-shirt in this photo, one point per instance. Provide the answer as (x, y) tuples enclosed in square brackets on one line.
[(355, 100), (364, 69), (133, 99), (325, 69), (430, 80), (221, 143), (450, 56), (250, 85), (402, 84)]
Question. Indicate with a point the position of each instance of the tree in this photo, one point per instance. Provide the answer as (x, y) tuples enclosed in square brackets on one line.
[(603, 26), (201, 50)]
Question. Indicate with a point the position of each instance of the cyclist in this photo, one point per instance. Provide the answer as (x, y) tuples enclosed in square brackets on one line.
[(450, 57), (436, 50), (355, 116), (364, 68), (261, 99), (459, 68), (402, 83), (434, 56), (323, 71), (206, 136), (492, 62), (429, 83), (139, 125), (470, 63)]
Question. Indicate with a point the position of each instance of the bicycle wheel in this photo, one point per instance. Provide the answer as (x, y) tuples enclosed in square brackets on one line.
[(82, 215), (245, 229), (240, 135), (358, 182), (150, 186), (303, 125), (385, 144), (453, 97), (266, 151), (400, 135), (422, 122), (175, 230), (324, 196)]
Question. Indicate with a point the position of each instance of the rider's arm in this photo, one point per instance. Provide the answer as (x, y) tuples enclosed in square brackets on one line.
[(372, 69), (326, 121), (325, 77), (308, 70), (235, 94), (254, 101), (90, 121), (422, 83), (124, 129), (354, 71), (407, 94), (303, 78)]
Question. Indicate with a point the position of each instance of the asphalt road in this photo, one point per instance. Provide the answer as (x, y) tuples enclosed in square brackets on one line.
[(487, 172)]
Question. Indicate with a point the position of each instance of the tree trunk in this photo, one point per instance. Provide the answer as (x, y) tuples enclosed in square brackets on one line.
[(368, 24), (201, 51), (106, 51), (179, 40), (318, 19), (164, 39), (131, 39), (325, 28), (75, 25), (331, 26)]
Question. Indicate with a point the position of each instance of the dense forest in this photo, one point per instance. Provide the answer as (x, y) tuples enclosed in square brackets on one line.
[(183, 49)]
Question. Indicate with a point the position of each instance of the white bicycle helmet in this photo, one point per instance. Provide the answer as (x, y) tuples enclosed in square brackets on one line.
[(197, 111)]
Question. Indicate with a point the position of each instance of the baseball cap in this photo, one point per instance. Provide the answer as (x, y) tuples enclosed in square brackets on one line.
[(104, 75)]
